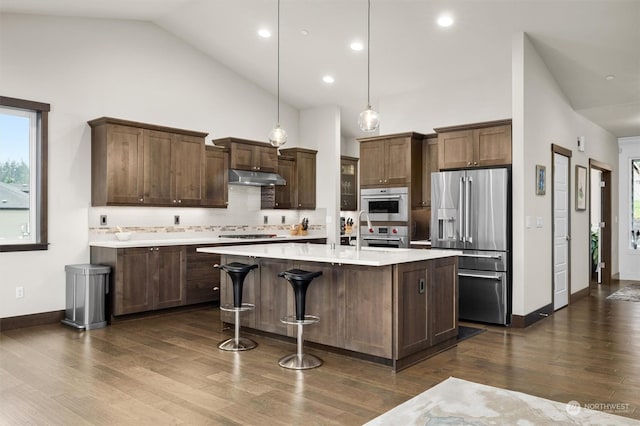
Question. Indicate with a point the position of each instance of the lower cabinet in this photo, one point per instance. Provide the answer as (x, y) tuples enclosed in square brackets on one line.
[(144, 278), (203, 280)]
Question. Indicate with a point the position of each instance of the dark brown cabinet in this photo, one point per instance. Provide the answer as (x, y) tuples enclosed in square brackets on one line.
[(474, 145), (216, 177), (144, 278), (144, 164), (389, 160), (285, 194), (250, 155), (348, 183), (302, 185), (429, 165), (203, 280)]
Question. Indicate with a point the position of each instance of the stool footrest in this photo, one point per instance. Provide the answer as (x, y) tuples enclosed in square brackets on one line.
[(245, 307), (291, 319)]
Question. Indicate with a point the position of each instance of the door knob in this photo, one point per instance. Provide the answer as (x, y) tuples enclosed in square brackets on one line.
[(568, 237)]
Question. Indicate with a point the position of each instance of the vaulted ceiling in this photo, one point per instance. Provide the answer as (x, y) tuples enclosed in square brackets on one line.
[(581, 41)]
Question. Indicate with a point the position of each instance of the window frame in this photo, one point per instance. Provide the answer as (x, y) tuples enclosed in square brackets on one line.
[(41, 184), (632, 200)]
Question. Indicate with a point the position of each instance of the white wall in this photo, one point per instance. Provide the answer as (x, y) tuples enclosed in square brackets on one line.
[(629, 258), (88, 68), (542, 117)]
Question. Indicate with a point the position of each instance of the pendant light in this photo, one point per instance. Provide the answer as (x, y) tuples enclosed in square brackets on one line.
[(369, 119), (278, 136)]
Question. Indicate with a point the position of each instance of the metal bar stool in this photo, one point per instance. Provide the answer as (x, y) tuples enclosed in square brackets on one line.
[(237, 272), (300, 281)]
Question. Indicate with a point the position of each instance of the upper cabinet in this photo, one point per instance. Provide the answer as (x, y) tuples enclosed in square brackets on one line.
[(302, 185), (429, 165), (143, 164), (250, 155), (348, 183), (216, 177), (390, 160), (474, 145)]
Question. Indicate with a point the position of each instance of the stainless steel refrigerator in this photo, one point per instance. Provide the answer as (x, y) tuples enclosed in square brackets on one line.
[(471, 211)]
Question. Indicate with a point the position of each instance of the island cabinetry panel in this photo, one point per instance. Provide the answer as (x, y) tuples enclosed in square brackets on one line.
[(144, 164), (443, 295), (412, 308), (203, 280), (348, 183), (279, 296), (144, 278), (216, 177), (475, 145), (388, 161), (250, 155)]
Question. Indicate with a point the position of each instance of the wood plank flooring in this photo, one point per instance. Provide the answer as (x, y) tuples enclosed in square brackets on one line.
[(166, 369)]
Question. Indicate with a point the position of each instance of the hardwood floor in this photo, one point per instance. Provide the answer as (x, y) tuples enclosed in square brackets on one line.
[(167, 369)]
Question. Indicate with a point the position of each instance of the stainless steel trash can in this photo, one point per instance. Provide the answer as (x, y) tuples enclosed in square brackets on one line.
[(85, 296)]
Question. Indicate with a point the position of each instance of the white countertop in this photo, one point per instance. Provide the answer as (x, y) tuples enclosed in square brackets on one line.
[(368, 256), (194, 240)]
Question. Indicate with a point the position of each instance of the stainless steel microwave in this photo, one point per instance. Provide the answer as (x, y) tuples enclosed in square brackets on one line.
[(386, 204)]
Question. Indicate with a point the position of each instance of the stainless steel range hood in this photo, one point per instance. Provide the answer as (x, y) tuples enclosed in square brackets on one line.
[(245, 177)]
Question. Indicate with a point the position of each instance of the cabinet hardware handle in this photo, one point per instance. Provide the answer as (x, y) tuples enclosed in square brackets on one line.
[(174, 201), (179, 201), (150, 248), (475, 163), (421, 286), (469, 163), (141, 199), (216, 288), (299, 205), (157, 249)]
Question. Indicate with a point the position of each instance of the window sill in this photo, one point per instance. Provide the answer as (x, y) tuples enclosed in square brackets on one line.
[(24, 247)]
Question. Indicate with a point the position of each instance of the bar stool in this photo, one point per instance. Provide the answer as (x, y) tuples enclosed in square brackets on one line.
[(300, 281), (237, 272)]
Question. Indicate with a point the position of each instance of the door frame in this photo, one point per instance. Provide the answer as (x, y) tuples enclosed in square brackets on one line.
[(605, 200), (557, 149)]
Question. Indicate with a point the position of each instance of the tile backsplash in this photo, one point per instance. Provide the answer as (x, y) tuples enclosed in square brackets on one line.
[(243, 215)]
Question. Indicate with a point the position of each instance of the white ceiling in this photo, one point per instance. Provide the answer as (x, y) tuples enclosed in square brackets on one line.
[(581, 41)]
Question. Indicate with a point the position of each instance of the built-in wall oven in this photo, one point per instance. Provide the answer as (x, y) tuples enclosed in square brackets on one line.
[(386, 204), (385, 236)]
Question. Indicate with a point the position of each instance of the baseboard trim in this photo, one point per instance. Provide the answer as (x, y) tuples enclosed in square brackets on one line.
[(520, 321), (579, 295), (22, 321)]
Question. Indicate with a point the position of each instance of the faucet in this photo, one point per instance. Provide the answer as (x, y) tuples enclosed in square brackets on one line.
[(358, 239)]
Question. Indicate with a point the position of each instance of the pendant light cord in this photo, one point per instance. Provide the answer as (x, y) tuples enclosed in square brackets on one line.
[(368, 52), (278, 67)]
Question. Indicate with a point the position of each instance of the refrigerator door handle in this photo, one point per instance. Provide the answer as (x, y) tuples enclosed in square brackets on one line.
[(482, 256), (467, 204), (484, 277), (461, 207)]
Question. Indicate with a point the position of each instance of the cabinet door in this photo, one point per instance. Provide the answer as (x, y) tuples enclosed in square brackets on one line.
[(277, 294), (158, 188), (124, 159), (216, 177), (348, 184), (134, 281), (397, 162), (455, 149), (203, 280), (242, 157), (285, 194), (306, 181), (443, 299), (372, 164), (266, 159), (187, 157), (429, 165), (170, 274), (492, 146), (412, 319)]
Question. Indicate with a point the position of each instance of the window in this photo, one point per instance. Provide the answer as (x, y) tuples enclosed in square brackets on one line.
[(23, 174), (635, 203)]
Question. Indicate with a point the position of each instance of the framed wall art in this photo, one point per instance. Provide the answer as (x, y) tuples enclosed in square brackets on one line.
[(541, 179), (581, 188)]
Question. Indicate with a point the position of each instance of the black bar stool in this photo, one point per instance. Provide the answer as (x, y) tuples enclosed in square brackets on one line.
[(300, 281), (237, 272)]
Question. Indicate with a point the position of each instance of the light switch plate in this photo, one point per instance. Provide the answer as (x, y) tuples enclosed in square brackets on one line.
[(539, 222), (529, 222)]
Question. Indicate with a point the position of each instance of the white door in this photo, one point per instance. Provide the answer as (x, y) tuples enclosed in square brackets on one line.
[(560, 231)]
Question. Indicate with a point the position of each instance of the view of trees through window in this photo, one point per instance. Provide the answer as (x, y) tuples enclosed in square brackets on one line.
[(635, 203)]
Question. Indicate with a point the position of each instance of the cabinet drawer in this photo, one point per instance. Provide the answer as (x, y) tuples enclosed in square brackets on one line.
[(199, 291)]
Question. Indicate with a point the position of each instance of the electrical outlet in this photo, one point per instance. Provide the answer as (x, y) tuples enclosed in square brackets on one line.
[(266, 219), (176, 220), (283, 219), (19, 292), (103, 220)]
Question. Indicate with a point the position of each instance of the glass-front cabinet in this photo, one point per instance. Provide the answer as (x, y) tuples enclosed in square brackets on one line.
[(348, 183)]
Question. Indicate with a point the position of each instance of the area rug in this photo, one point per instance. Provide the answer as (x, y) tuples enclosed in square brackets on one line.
[(466, 332), (459, 402), (631, 292)]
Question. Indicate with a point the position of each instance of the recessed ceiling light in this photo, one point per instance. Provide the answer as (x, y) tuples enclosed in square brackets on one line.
[(357, 46), (304, 32), (328, 79), (264, 33), (445, 20), (610, 77)]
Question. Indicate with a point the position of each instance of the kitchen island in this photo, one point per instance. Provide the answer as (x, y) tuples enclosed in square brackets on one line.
[(392, 306)]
